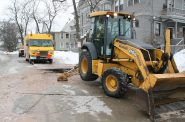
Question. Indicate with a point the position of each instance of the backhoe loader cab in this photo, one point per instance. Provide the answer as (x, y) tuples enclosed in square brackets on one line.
[(106, 26), (121, 61)]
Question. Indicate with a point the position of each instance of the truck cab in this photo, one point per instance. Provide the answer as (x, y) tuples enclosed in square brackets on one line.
[(39, 47)]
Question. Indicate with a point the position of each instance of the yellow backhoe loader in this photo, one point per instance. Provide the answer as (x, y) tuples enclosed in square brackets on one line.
[(125, 64)]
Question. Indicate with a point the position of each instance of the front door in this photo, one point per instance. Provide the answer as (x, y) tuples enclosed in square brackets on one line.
[(171, 32)]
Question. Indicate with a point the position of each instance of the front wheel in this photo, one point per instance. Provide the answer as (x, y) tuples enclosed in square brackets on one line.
[(31, 61), (114, 82), (85, 67), (50, 61)]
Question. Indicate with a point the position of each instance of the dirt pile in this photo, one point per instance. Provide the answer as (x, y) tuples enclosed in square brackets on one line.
[(64, 76)]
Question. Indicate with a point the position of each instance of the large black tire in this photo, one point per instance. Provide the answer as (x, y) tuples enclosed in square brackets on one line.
[(86, 61), (119, 85), (50, 61), (31, 61)]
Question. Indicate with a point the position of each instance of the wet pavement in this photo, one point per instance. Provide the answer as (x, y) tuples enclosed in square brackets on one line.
[(31, 93)]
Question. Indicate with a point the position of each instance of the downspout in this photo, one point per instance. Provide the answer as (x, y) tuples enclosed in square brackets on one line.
[(153, 24)]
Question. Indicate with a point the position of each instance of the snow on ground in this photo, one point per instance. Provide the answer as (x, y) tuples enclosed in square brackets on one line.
[(180, 60), (5, 58), (9, 53), (66, 57)]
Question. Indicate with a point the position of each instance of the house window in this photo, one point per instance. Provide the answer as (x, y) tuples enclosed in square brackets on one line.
[(67, 36), (107, 7), (62, 36), (136, 1), (67, 45), (171, 4), (121, 5), (157, 29), (130, 2), (133, 2), (117, 5)]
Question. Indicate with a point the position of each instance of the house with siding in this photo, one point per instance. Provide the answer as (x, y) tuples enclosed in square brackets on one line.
[(69, 36), (65, 40), (153, 17), (61, 40)]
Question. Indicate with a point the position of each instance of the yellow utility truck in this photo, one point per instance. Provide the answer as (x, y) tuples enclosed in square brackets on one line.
[(39, 47), (129, 66)]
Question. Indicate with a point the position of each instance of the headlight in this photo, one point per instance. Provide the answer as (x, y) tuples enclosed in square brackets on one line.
[(36, 53), (50, 52)]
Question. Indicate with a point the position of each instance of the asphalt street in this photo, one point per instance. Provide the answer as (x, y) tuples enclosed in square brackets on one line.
[(31, 93)]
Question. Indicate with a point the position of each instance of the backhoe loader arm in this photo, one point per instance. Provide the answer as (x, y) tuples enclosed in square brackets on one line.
[(141, 74), (172, 68)]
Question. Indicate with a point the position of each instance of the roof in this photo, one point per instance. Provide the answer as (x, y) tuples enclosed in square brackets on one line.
[(67, 26), (101, 13), (174, 18), (39, 36)]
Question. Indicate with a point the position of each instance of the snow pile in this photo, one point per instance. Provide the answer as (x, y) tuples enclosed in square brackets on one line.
[(66, 57), (3, 58), (179, 58), (9, 53)]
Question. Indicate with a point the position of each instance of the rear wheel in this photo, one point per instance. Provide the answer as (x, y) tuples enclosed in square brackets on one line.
[(85, 67), (114, 82)]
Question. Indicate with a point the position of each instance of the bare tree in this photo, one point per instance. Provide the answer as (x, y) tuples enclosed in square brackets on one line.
[(93, 4), (21, 16), (26, 13), (35, 14), (77, 25), (52, 10), (8, 32)]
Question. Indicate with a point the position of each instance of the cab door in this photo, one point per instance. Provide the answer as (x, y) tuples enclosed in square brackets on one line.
[(99, 35)]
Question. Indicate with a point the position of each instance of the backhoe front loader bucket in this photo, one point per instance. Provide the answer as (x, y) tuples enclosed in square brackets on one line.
[(166, 99), (169, 81)]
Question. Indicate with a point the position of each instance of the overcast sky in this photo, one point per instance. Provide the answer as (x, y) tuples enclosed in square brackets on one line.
[(59, 21)]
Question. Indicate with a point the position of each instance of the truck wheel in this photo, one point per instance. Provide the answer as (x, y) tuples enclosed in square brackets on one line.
[(51, 61), (114, 82), (31, 61), (85, 67), (26, 59)]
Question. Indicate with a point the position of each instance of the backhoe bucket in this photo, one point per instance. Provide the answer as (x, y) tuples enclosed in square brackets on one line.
[(166, 100)]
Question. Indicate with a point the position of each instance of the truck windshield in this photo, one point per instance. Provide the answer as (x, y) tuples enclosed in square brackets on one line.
[(119, 26), (41, 43)]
